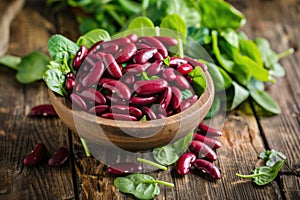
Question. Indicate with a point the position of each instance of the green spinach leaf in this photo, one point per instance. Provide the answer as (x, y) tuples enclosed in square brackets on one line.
[(92, 37), (10, 61), (220, 15), (271, 157), (142, 186), (61, 48), (231, 37), (141, 26), (183, 144), (165, 155), (199, 80), (176, 23), (32, 67), (239, 95)]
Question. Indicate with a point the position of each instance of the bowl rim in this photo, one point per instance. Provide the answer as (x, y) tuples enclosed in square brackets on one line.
[(202, 101)]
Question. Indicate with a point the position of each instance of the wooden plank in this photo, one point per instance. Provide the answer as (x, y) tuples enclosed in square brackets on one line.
[(290, 186), (19, 131)]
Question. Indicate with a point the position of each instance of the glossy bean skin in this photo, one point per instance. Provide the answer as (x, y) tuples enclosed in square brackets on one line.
[(195, 63), (59, 158), (150, 87), (95, 47), (142, 101), (119, 42), (140, 46), (165, 99), (128, 79), (115, 100), (151, 41), (204, 129), (181, 82), (204, 150), (133, 37), (184, 69), (93, 76), (125, 53), (93, 95), (134, 68), (117, 116), (154, 68), (211, 142), (174, 61), (127, 110), (169, 74), (150, 115), (70, 83), (111, 49), (143, 55), (116, 86), (45, 110), (112, 67), (36, 156), (176, 98), (167, 41), (70, 75), (208, 168), (98, 109), (185, 104), (79, 57), (157, 56), (184, 163), (78, 101), (122, 168)]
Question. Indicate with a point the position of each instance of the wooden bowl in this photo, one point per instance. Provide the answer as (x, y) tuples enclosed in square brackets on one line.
[(132, 136)]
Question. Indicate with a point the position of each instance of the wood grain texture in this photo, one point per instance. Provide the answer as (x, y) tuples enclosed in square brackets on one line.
[(290, 186), (20, 132)]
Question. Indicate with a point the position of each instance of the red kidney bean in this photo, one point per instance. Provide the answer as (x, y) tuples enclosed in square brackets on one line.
[(78, 87), (46, 110), (122, 168), (161, 116), (142, 46), (207, 167), (93, 95), (133, 37), (112, 66), (78, 101), (99, 109), (154, 68), (111, 49), (143, 55), (36, 156), (70, 75), (95, 47), (185, 104), (119, 42), (208, 130), (174, 61), (127, 110), (181, 82), (211, 142), (165, 99), (153, 42), (204, 150), (167, 41), (176, 98), (59, 158), (158, 56), (168, 74), (134, 68), (195, 63), (116, 100), (93, 76), (184, 163), (150, 115), (150, 87), (79, 57), (116, 86), (189, 79), (142, 101), (184, 69), (125, 53), (117, 116), (70, 83), (128, 79)]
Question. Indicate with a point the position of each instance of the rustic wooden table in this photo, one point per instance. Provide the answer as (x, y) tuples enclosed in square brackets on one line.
[(244, 135)]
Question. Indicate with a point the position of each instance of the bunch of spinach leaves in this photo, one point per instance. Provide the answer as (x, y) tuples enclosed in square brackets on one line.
[(263, 175)]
